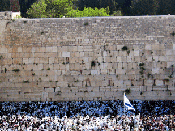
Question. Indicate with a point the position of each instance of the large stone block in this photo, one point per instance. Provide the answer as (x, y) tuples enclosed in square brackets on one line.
[(65, 54)]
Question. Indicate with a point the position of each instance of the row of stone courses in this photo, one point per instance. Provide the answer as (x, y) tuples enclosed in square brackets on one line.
[(88, 48), (104, 68), (88, 80)]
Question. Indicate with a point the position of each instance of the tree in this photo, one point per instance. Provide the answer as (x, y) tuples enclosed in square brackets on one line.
[(50, 8), (144, 7), (89, 12), (38, 10), (166, 7), (4, 5), (24, 6)]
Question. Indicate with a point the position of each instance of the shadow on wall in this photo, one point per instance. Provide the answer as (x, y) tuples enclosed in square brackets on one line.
[(170, 71)]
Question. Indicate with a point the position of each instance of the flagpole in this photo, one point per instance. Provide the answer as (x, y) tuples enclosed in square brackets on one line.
[(124, 108), (124, 101)]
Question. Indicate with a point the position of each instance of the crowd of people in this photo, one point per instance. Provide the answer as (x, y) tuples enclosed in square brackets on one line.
[(87, 116)]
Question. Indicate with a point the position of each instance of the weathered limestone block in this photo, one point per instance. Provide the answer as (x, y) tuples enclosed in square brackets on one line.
[(155, 71), (77, 66), (103, 71), (103, 66), (118, 83), (111, 71), (29, 67), (137, 59), (38, 67), (171, 58), (173, 46), (59, 49), (51, 54), (40, 49), (105, 53), (119, 47), (19, 49), (148, 82), (81, 54), (62, 84), (65, 54), (162, 58), (44, 96), (123, 53), (87, 48), (90, 54), (73, 48), (49, 89), (127, 82), (155, 58), (27, 90), (107, 59), (80, 48), (120, 65), (26, 49), (169, 52), (57, 89), (43, 60), (36, 60), (159, 83), (136, 52), (113, 59), (148, 47), (155, 46), (51, 49), (120, 71), (51, 94), (3, 49), (31, 60), (25, 60), (9, 61), (95, 72), (86, 54), (51, 60), (59, 54)]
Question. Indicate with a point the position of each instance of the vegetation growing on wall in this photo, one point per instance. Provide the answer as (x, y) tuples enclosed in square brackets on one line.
[(60, 8), (88, 12), (16, 70), (124, 48), (128, 91), (116, 7)]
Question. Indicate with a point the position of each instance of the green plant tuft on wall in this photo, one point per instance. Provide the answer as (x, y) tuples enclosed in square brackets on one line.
[(16, 70), (93, 63), (141, 64), (173, 33), (1, 57), (128, 91), (166, 79), (26, 81), (86, 23), (141, 93), (124, 48)]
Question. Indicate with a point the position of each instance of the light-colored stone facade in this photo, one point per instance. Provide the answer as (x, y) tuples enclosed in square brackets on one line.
[(87, 58)]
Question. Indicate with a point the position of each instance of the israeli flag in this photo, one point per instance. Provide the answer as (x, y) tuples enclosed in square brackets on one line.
[(127, 104)]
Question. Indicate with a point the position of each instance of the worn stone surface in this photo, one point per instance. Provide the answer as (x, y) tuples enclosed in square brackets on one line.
[(64, 59)]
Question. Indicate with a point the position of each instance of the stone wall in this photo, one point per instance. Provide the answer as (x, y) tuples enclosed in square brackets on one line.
[(94, 58)]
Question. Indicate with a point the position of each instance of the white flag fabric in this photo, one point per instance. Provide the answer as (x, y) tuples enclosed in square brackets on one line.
[(127, 104)]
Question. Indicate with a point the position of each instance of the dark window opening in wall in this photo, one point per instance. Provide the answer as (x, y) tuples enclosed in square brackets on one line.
[(67, 60), (143, 84), (110, 83)]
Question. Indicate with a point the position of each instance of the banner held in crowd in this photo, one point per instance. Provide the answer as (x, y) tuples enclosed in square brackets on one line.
[(127, 104)]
